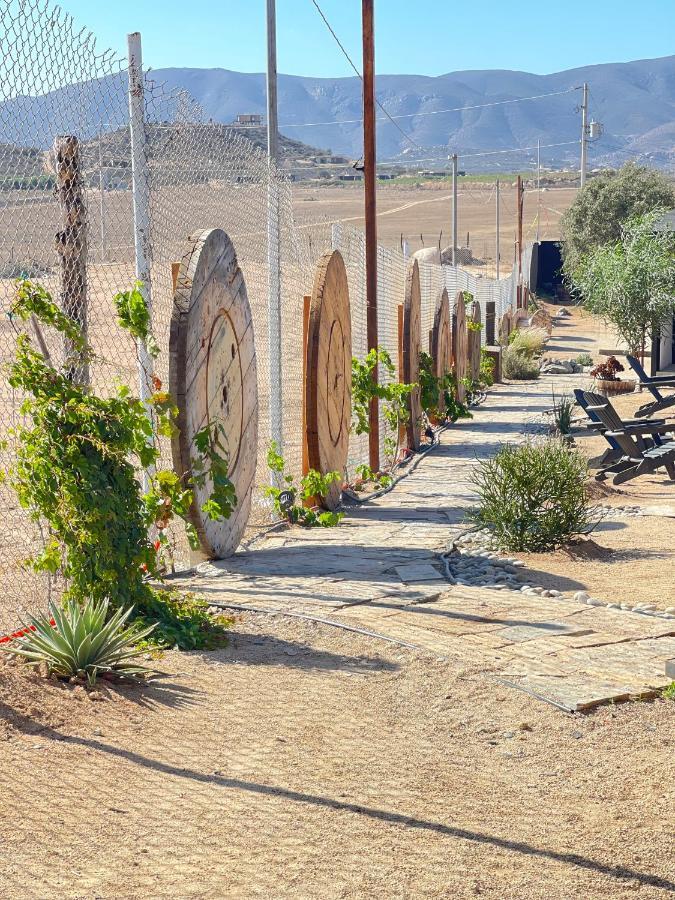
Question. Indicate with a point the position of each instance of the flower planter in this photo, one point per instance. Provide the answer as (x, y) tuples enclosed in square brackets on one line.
[(617, 386)]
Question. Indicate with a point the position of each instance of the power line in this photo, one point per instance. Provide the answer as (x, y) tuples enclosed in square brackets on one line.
[(433, 112), (360, 76)]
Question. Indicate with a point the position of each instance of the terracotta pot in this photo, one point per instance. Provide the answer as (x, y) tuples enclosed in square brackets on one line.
[(620, 386)]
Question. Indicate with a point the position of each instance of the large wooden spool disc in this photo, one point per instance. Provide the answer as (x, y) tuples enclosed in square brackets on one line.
[(412, 331), (441, 341), (212, 376), (328, 386), (474, 337), (459, 344)]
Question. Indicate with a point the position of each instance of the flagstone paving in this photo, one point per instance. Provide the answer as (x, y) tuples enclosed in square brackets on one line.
[(382, 570)]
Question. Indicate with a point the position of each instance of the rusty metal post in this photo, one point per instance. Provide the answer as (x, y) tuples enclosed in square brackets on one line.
[(369, 158), (71, 245)]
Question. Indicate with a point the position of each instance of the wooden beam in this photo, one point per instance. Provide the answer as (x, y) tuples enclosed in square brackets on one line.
[(369, 156), (71, 245)]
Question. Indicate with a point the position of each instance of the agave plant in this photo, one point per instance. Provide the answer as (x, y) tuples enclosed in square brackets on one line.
[(81, 642)]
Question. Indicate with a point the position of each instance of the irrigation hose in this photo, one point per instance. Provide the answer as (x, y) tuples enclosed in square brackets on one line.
[(319, 619)]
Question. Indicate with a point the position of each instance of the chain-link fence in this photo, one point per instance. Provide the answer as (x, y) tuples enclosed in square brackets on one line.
[(87, 218)]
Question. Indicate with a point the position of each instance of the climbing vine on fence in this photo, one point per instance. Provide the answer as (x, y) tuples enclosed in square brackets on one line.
[(77, 469), (394, 395), (438, 394)]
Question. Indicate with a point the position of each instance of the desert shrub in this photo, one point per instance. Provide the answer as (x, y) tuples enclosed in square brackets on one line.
[(532, 496), (584, 359), (562, 413), (529, 341), (519, 366), (80, 641)]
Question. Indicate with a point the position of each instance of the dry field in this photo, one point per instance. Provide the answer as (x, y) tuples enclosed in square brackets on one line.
[(418, 215)]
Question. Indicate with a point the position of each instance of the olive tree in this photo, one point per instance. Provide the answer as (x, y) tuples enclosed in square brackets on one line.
[(605, 204), (631, 283)]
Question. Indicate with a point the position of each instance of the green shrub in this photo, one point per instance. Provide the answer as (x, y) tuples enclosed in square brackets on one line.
[(75, 641), (562, 413), (519, 366), (313, 484), (584, 359), (528, 341), (532, 496)]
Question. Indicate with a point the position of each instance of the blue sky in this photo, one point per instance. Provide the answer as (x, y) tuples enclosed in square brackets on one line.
[(427, 38)]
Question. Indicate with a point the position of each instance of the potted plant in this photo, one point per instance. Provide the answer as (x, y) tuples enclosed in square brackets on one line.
[(607, 380)]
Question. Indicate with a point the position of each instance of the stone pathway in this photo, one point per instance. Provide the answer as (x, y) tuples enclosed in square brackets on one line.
[(383, 570)]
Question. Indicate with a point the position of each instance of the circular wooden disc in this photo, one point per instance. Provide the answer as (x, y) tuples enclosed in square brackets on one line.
[(474, 342), (459, 343), (212, 377), (328, 385), (441, 341), (412, 326)]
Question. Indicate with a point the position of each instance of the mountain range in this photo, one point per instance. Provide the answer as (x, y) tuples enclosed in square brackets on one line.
[(635, 102)]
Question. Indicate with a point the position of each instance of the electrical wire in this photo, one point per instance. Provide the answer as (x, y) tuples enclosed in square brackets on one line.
[(359, 75), (433, 112)]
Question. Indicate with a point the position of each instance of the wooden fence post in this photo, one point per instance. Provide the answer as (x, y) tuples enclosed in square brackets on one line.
[(71, 245), (490, 315)]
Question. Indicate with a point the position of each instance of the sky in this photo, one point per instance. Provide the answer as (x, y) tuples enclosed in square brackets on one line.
[(425, 38)]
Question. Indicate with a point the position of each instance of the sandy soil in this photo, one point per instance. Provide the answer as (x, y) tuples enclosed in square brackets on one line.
[(302, 761), (419, 214), (628, 560)]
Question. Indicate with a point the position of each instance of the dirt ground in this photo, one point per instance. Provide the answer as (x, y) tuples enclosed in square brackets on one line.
[(419, 214), (628, 560), (303, 761)]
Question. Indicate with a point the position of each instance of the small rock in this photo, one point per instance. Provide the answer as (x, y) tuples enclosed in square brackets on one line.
[(670, 609), (524, 726), (581, 597), (552, 592), (577, 735), (508, 734)]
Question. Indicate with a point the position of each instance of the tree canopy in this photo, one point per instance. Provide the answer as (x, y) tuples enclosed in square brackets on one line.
[(608, 201), (631, 282)]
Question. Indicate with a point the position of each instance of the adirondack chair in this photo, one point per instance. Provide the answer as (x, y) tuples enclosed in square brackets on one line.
[(639, 458), (652, 383), (614, 452)]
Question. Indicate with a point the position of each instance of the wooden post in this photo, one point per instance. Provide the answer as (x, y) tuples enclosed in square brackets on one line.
[(71, 245), (175, 270), (490, 314), (306, 302), (519, 213), (367, 9), (401, 428)]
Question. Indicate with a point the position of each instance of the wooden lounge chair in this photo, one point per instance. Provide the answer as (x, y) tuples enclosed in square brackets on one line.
[(639, 458), (614, 452), (652, 384)]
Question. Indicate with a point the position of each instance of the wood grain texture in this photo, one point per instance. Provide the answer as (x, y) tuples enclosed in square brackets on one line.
[(473, 338), (412, 327), (441, 341), (459, 344), (328, 385), (212, 376)]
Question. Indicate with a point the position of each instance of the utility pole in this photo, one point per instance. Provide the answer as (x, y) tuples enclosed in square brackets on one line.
[(584, 134), (368, 24), (538, 186), (497, 227), (454, 209), (273, 237), (519, 213)]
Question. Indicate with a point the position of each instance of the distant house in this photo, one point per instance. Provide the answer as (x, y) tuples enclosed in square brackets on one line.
[(350, 177), (385, 176), (663, 343), (250, 119)]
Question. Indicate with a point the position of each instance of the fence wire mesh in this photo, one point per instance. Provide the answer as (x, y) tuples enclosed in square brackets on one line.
[(199, 175)]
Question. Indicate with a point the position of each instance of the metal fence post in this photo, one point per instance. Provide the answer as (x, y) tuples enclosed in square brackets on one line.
[(273, 239), (140, 180)]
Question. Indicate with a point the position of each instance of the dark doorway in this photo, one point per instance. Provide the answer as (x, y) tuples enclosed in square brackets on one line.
[(549, 279)]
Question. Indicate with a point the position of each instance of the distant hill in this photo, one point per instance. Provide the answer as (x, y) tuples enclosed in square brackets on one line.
[(635, 101)]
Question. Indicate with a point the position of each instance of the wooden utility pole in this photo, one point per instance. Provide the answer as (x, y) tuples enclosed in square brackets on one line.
[(454, 209), (71, 245), (497, 231), (370, 215), (519, 214)]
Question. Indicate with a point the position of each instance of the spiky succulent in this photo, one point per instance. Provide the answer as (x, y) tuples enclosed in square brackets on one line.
[(80, 641)]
